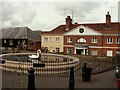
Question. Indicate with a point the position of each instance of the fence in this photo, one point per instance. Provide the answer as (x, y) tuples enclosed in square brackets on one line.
[(53, 67)]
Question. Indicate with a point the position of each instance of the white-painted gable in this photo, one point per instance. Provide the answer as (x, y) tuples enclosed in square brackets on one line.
[(87, 31)]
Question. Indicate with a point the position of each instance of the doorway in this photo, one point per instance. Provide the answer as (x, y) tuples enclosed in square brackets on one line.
[(82, 51), (79, 51)]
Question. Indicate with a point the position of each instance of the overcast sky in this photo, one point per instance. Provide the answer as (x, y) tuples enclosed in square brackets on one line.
[(44, 15)]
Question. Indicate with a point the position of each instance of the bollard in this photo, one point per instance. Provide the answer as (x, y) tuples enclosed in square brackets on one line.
[(31, 79), (118, 83), (86, 73), (71, 78)]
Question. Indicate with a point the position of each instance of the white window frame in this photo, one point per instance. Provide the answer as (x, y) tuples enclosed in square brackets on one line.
[(94, 40), (69, 39), (117, 40), (81, 40), (109, 40), (109, 53), (57, 39)]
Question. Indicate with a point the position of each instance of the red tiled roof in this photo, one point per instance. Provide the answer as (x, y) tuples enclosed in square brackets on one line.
[(100, 27)]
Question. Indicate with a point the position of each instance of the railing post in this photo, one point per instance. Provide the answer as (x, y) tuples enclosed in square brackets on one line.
[(71, 78), (31, 79)]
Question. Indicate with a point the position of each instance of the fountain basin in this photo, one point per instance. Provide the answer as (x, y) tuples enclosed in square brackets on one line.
[(58, 64)]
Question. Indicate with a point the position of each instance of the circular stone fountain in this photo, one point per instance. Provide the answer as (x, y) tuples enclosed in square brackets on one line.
[(54, 63)]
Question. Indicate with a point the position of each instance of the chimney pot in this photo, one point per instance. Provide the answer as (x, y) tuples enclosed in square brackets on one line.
[(68, 23), (108, 20)]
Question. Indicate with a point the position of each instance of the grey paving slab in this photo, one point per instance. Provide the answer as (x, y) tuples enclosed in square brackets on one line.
[(102, 80)]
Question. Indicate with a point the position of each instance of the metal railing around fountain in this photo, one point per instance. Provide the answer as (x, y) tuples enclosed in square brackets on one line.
[(53, 67), (50, 68)]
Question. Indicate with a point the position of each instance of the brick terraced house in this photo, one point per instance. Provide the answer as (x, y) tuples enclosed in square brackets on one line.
[(97, 39)]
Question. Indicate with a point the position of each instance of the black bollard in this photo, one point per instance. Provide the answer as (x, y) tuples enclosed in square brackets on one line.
[(86, 73), (31, 79), (71, 78)]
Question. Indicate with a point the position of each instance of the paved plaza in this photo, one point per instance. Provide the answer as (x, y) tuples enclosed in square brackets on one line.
[(102, 80)]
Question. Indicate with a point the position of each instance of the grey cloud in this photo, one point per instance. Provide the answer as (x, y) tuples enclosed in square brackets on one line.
[(28, 17), (18, 13), (25, 12), (8, 10), (80, 9), (15, 23)]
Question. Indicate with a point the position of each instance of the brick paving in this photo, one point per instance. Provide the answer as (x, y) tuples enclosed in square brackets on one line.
[(102, 80)]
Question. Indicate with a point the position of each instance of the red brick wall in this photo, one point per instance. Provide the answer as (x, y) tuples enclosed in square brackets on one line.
[(110, 45), (88, 40), (33, 45), (102, 41)]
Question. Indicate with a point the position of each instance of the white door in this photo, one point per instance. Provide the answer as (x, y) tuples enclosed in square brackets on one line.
[(109, 53)]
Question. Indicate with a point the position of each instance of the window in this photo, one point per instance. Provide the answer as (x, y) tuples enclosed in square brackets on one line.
[(57, 39), (118, 53), (81, 40), (94, 52), (69, 50), (51, 39), (118, 41), (109, 52), (57, 50), (46, 39), (5, 41), (11, 42), (94, 40), (69, 39), (109, 40)]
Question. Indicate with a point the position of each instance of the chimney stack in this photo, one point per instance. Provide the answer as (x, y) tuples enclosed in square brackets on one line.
[(108, 20), (68, 23)]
